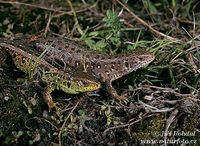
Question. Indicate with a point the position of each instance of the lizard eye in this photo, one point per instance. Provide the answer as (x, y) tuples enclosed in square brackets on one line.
[(38, 46), (84, 83)]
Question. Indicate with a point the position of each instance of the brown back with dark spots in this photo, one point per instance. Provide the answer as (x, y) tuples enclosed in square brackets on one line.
[(69, 56), (102, 66)]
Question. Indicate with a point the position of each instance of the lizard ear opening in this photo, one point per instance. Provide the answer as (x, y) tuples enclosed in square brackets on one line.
[(141, 59)]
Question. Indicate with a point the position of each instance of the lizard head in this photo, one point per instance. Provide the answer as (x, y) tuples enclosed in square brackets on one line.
[(136, 60), (120, 65)]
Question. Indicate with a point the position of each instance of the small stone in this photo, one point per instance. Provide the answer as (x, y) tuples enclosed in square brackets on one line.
[(147, 97), (33, 101), (6, 98), (6, 21), (45, 114), (30, 111)]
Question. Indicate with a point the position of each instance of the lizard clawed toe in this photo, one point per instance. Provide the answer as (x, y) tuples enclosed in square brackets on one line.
[(123, 99)]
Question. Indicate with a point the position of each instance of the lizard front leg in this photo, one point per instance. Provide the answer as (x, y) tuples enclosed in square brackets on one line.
[(3, 56), (113, 92), (48, 97)]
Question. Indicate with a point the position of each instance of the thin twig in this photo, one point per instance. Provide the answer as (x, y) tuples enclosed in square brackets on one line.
[(36, 6), (77, 11), (146, 24), (170, 90), (65, 121), (154, 109), (47, 26), (60, 12), (168, 123), (75, 17), (125, 125)]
